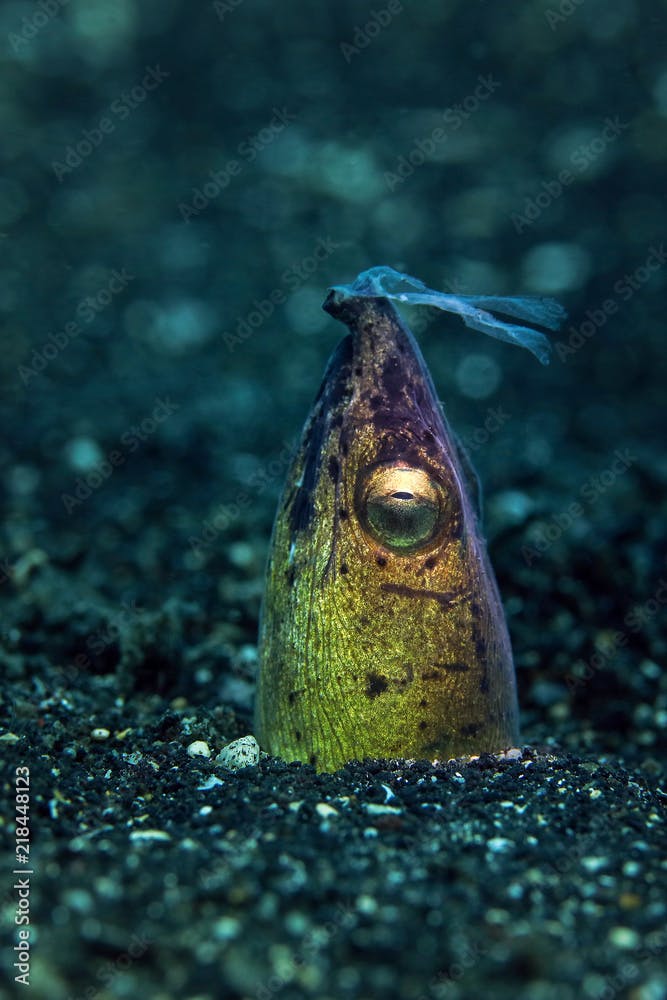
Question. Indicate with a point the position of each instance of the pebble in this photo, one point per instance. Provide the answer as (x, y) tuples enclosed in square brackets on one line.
[(499, 844), (146, 835), (375, 809), (199, 748), (243, 752), (324, 810), (100, 734), (624, 937)]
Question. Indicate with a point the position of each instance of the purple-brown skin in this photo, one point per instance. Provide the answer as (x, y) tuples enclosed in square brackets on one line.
[(382, 630)]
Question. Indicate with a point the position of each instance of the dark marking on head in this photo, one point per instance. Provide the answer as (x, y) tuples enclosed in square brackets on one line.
[(423, 725), (297, 734), (457, 668), (423, 703), (377, 685), (293, 695), (470, 729), (290, 575), (313, 759), (430, 562), (380, 560), (343, 567), (393, 377), (335, 386), (445, 598), (333, 466), (342, 513)]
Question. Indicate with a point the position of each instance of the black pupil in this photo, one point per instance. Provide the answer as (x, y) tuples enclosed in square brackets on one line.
[(403, 496)]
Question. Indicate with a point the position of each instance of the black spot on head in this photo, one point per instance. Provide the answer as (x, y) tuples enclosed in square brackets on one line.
[(334, 387), (297, 734), (457, 668), (423, 725), (430, 562), (313, 759), (333, 467), (342, 513), (377, 684), (393, 377), (358, 371), (290, 575), (293, 695), (343, 568), (380, 560), (423, 703)]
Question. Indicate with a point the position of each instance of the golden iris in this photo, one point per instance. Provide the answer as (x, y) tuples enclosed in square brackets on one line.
[(402, 507)]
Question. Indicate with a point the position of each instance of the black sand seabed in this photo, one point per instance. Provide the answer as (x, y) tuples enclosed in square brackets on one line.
[(179, 185)]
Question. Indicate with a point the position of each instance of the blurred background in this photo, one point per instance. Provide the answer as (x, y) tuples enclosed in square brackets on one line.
[(179, 185)]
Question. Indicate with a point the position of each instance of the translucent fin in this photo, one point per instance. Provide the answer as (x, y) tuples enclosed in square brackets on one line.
[(385, 282)]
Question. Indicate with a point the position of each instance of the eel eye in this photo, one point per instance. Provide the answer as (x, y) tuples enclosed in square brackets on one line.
[(402, 507)]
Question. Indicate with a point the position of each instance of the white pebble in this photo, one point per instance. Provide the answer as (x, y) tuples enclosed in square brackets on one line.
[(100, 734), (240, 753), (324, 810), (375, 809), (499, 844), (142, 835), (199, 748), (624, 937)]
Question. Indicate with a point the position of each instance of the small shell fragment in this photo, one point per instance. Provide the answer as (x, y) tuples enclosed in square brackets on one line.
[(243, 752), (199, 748)]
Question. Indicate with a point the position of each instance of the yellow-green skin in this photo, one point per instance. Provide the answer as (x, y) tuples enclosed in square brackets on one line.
[(366, 649)]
